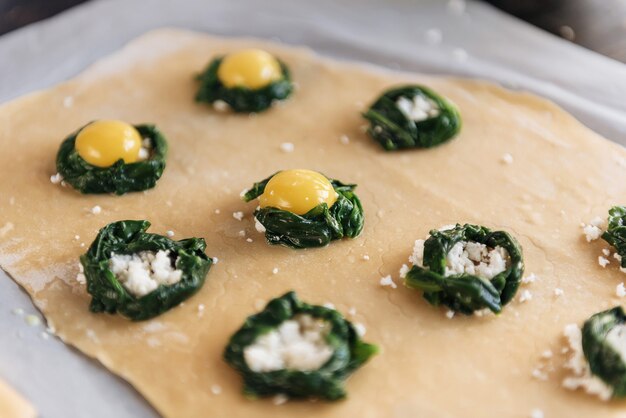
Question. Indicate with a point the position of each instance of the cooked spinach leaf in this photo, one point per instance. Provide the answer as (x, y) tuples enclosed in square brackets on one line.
[(129, 237), (349, 353), (605, 360), (316, 228), (394, 130), (242, 99), (615, 234), (119, 178), (464, 292)]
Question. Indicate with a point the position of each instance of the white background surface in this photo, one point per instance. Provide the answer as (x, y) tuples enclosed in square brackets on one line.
[(479, 42)]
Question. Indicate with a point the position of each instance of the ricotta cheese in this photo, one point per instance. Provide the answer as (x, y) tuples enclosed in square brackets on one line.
[(296, 344), (419, 108), (143, 272), (577, 364), (467, 257)]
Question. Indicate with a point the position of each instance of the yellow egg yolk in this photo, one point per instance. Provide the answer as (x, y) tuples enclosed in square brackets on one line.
[(103, 142), (298, 191), (250, 68)]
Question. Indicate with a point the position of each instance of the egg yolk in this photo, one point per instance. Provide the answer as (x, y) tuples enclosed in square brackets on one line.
[(103, 142), (298, 191), (250, 68)]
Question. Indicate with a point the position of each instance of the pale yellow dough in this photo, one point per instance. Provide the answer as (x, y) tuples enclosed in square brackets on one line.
[(13, 405), (429, 366)]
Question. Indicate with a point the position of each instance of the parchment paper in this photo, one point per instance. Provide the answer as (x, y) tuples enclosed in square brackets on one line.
[(479, 42)]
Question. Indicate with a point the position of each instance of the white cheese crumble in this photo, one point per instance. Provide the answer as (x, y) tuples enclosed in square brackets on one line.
[(287, 147), (449, 314), (547, 354), (360, 329), (56, 178), (146, 149), (352, 311), (280, 399), (507, 158), (606, 252), (577, 364), (216, 389), (593, 230), (468, 257), (418, 108), (539, 374), (68, 102), (366, 257), (80, 277), (220, 106), (620, 291), (616, 339), (531, 278), (344, 139), (388, 281), (404, 270), (525, 296), (248, 239), (296, 344), (170, 233), (603, 261), (143, 272), (328, 305), (536, 413), (558, 292), (238, 215), (259, 226), (96, 210), (215, 260)]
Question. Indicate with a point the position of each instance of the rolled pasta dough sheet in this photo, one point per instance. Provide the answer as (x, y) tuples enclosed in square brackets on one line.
[(561, 174)]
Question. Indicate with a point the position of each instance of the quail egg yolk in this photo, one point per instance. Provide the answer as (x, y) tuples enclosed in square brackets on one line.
[(103, 142), (250, 68), (298, 191)]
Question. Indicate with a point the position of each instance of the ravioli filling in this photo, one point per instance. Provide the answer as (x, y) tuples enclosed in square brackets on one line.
[(419, 108), (143, 272), (578, 365), (296, 344), (468, 257)]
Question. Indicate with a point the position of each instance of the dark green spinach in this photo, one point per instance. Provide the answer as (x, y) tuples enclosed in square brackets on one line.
[(129, 237), (615, 234), (466, 293), (119, 178), (349, 353), (394, 130), (605, 361), (242, 99), (316, 228)]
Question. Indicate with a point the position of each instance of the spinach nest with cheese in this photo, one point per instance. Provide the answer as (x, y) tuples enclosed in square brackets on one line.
[(248, 81), (110, 156), (295, 349), (615, 233), (141, 275), (598, 359), (303, 208), (412, 117), (466, 268)]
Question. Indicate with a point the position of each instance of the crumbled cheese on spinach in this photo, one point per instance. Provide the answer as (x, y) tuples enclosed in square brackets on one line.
[(296, 344), (143, 272), (577, 364), (419, 108), (238, 215), (603, 261), (467, 257)]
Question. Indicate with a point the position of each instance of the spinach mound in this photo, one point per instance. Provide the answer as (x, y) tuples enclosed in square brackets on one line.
[(349, 353), (129, 237)]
